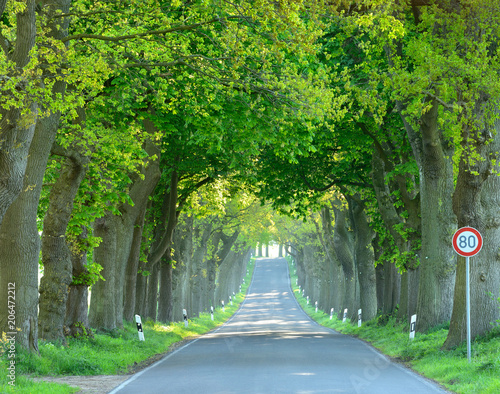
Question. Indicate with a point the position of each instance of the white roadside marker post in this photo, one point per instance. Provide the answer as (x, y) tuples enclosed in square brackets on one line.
[(185, 315), (139, 327), (345, 316), (223, 309), (316, 305), (212, 313), (359, 317), (331, 314), (413, 326), (467, 242), (307, 300)]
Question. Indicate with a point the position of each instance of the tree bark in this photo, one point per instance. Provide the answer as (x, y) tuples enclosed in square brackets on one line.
[(476, 203), (16, 130), (131, 274), (120, 230), (212, 268), (56, 256), (365, 259), (394, 223), (18, 230), (152, 293), (165, 307), (437, 268), (77, 307), (202, 234), (335, 277), (102, 313), (343, 243)]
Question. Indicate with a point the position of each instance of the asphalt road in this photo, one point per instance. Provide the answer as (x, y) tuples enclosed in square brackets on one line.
[(271, 346)]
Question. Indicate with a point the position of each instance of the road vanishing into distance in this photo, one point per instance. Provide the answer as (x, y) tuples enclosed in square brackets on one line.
[(271, 346)]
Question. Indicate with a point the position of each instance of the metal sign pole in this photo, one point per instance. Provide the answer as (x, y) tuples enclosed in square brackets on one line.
[(467, 242), (467, 301)]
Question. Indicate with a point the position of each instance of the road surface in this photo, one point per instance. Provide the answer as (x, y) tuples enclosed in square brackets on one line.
[(271, 346)]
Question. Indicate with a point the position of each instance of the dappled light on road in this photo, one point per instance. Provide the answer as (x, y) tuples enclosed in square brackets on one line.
[(271, 346)]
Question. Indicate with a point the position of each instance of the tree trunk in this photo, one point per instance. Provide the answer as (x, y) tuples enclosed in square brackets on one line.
[(77, 319), (129, 308), (201, 236), (392, 288), (476, 202), (183, 246), (394, 222), (365, 260), (16, 130), (259, 250), (152, 293), (56, 256), (343, 244), (212, 268), (437, 268), (379, 271), (19, 239), (122, 234), (102, 314), (165, 307), (335, 276), (140, 292)]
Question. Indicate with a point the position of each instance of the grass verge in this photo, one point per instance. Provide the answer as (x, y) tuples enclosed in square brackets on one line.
[(423, 354), (117, 352)]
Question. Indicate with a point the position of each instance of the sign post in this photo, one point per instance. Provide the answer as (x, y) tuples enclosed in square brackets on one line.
[(138, 322), (413, 325), (467, 242)]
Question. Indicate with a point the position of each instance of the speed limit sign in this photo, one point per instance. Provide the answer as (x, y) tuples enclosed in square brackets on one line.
[(467, 241)]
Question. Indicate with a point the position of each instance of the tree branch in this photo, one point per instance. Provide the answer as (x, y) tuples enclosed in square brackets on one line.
[(150, 32), (184, 198), (444, 103)]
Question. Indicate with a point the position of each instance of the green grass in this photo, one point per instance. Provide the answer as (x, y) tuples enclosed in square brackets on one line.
[(423, 354), (107, 354)]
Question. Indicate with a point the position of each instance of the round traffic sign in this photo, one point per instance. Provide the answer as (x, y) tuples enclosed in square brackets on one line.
[(467, 241)]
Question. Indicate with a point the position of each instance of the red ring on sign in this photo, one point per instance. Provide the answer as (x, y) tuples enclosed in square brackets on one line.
[(479, 241)]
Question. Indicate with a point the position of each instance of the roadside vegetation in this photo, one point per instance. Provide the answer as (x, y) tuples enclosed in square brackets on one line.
[(109, 353), (424, 353)]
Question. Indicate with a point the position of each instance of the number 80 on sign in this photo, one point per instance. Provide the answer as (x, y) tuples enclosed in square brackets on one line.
[(467, 241)]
